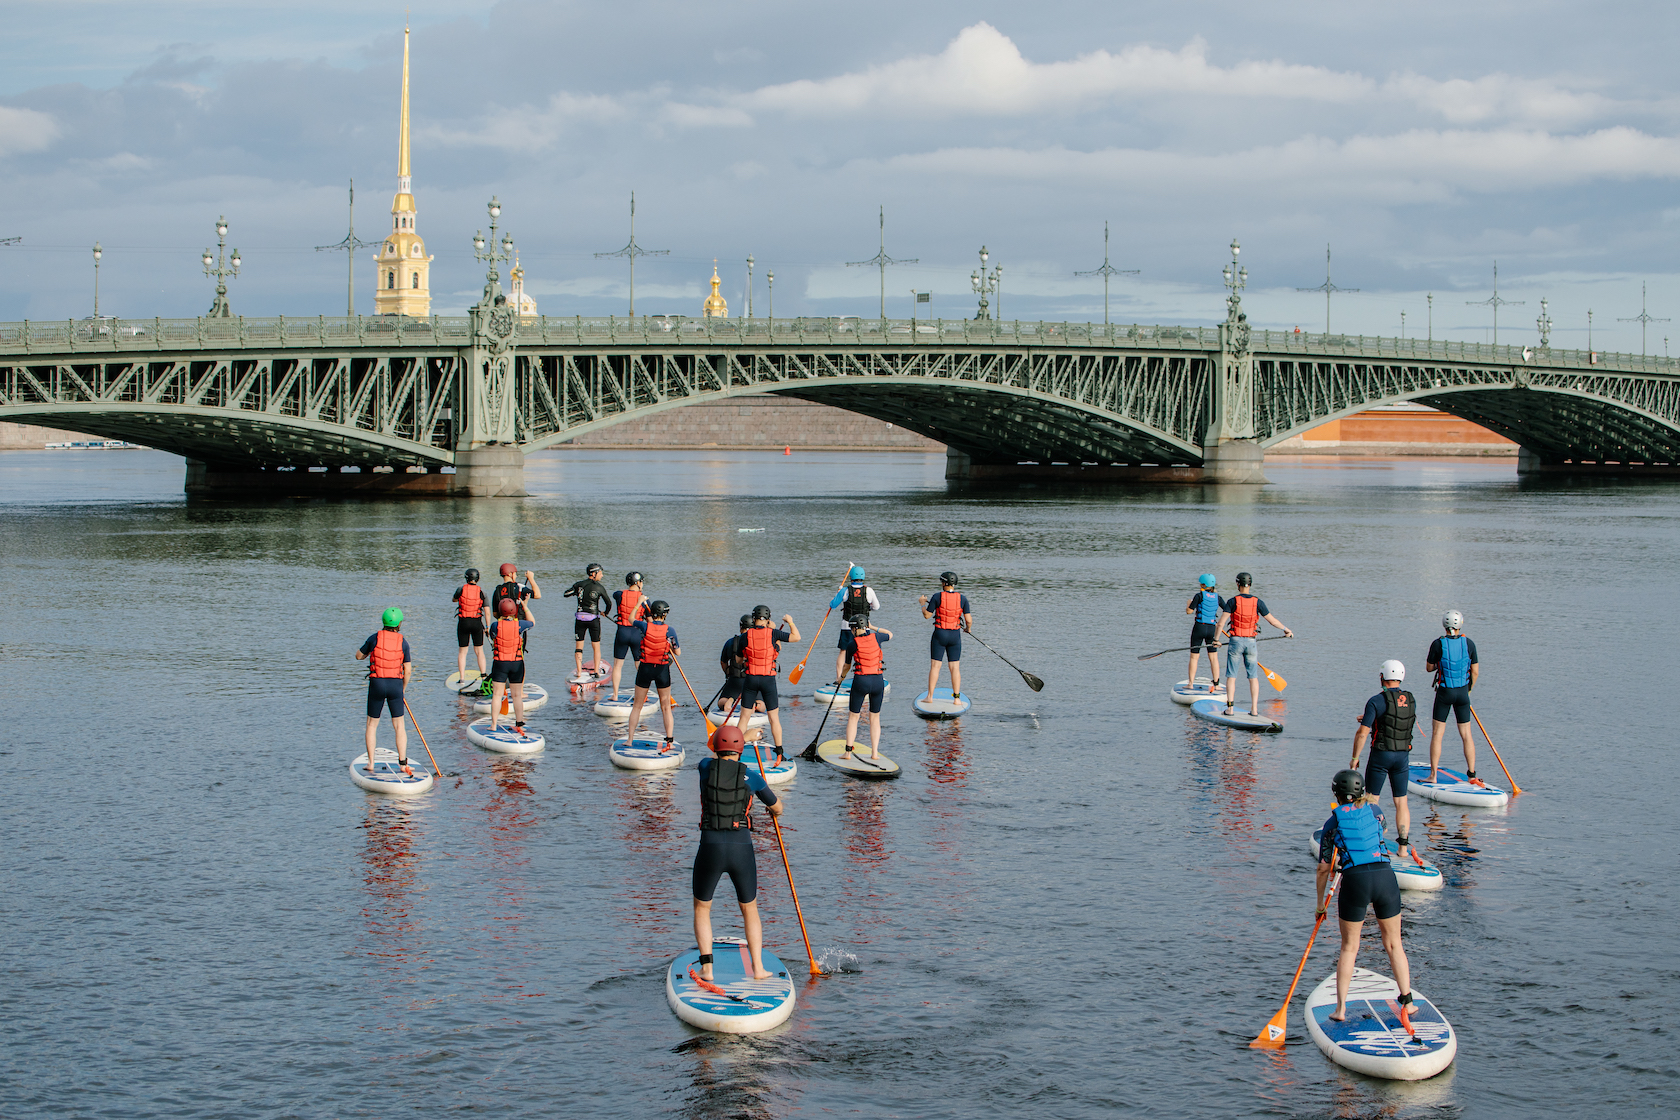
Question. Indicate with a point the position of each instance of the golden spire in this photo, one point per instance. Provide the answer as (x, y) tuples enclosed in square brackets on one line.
[(402, 127), (716, 307)]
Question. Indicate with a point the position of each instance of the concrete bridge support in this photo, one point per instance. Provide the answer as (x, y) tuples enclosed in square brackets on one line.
[(1234, 462)]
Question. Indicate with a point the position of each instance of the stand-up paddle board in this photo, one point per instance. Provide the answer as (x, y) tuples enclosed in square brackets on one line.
[(839, 696), (1455, 788), (775, 775), (386, 776), (1186, 693), (941, 705), (1412, 874), (590, 677), (505, 739), (1214, 712), (456, 682), (616, 707), (646, 750), (1371, 1040), (732, 1002), (858, 764), (535, 697), (718, 713)]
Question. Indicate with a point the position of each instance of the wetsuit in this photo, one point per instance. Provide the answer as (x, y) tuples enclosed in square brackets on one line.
[(1391, 740), (629, 608), (1367, 877), (760, 681), (726, 791), (469, 618), (866, 684), (947, 630), (508, 650), (1203, 633), (734, 673), (385, 683), (591, 594), (653, 670), (1453, 657)]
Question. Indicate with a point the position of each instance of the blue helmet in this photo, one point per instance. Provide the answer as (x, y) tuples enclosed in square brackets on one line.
[(857, 571), (1207, 580)]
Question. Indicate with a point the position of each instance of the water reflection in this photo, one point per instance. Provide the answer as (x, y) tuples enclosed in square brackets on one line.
[(651, 825), (391, 868), (730, 1079)]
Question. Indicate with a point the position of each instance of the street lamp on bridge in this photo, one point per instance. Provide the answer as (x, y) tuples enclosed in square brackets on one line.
[(987, 283), (222, 270), (632, 251), (1544, 323), (97, 253), (1327, 288), (1236, 279), (1644, 319), (492, 256), (1106, 271), (1496, 303), (770, 295)]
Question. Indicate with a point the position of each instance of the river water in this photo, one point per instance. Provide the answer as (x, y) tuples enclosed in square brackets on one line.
[(1075, 903)]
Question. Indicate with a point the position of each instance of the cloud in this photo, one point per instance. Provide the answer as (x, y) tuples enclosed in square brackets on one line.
[(1500, 97), (25, 130), (526, 128), (705, 116)]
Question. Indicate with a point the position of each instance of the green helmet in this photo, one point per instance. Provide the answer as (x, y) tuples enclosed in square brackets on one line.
[(393, 616)]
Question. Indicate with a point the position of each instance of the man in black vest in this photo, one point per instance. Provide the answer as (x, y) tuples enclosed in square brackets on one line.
[(1388, 721), (727, 788)]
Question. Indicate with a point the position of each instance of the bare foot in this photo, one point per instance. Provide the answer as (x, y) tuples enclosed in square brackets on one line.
[(875, 756), (1339, 1015), (760, 974), (706, 972)]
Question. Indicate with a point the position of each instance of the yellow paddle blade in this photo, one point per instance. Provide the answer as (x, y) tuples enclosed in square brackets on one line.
[(1271, 1037), (1277, 682)]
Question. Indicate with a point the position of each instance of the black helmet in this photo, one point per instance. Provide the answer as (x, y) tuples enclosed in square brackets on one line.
[(1244, 580), (746, 621), (760, 611), (632, 579), (948, 579), (1348, 786), (659, 608), (593, 569), (861, 622), (472, 575)]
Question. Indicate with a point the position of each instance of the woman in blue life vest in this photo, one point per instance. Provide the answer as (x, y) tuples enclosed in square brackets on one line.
[(658, 647), (1352, 843), (1204, 607), (949, 610), (390, 665), (1452, 658), (727, 788), (862, 649)]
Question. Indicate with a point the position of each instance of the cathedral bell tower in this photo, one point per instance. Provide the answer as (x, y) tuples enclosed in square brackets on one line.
[(403, 280)]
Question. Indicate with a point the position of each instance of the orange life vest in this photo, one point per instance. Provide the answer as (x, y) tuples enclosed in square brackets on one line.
[(656, 646), (628, 601), (761, 652), (1245, 616), (866, 656), (387, 658), (948, 614), (506, 639), (472, 600)]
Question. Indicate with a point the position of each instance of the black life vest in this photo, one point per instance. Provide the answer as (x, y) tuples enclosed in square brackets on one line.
[(734, 664), (856, 602), (724, 796), (1394, 727)]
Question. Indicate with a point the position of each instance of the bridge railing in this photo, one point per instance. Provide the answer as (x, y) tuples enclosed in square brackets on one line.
[(1444, 350)]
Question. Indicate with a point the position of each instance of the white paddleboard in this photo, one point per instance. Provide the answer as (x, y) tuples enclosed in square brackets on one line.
[(590, 677), (646, 750), (455, 682), (1214, 712), (1371, 1040), (535, 697), (1412, 874), (840, 696), (940, 705), (776, 775), (757, 719), (386, 777), (858, 764), (1455, 788), (616, 707), (747, 1007), (1186, 693), (505, 739)]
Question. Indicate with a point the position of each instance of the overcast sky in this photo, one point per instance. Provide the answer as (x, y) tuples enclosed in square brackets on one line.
[(1422, 141)]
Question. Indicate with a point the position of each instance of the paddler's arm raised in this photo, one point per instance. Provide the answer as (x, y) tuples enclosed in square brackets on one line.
[(531, 580), (793, 631)]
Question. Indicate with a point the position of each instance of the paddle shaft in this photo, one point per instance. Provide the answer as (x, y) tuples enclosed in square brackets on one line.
[(793, 891), (410, 710), (799, 669), (1514, 789), (1033, 682), (1307, 952), (1191, 649), (815, 739), (710, 728)]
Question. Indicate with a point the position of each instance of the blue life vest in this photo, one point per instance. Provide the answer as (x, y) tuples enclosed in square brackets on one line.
[(1455, 662), (1207, 610), (1358, 835)]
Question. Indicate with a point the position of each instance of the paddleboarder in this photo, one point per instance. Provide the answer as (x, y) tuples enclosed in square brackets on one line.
[(1242, 612), (727, 788), (861, 646), (734, 666), (758, 647), (1353, 836), (949, 610), (511, 588), (1388, 721), (629, 608), (1452, 658), (856, 599), (392, 663), (1204, 606), (507, 667), (591, 595), (472, 614), (658, 645)]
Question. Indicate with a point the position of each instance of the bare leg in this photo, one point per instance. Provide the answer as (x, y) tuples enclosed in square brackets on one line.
[(776, 731), (1403, 817), (665, 711), (636, 710), (461, 661), (372, 734), (1254, 696), (1469, 747), (874, 734), (595, 648), (1344, 965), (933, 678), (1230, 685), (483, 669), (1390, 929), (851, 728), (496, 691), (703, 934), (1437, 732), (956, 678), (402, 738), (618, 669), (755, 938), (518, 702), (577, 657)]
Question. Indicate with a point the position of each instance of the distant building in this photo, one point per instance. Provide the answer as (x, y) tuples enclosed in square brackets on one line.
[(403, 284), (715, 307), (516, 297)]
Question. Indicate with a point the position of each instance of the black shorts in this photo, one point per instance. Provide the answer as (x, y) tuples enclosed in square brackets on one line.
[(732, 687), (625, 644), (469, 631), (1454, 700), (653, 676), (730, 855), (1367, 885), (592, 628), (872, 686), (1204, 634), (507, 672), (385, 692), (946, 645), (754, 689), (1393, 767)]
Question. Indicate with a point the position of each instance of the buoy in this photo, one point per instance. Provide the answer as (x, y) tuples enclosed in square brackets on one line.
[(787, 450)]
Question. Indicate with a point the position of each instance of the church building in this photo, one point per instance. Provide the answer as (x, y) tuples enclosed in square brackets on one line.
[(403, 286)]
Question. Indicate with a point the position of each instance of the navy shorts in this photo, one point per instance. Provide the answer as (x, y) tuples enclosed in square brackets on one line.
[(469, 631), (725, 853), (625, 644), (754, 689), (507, 672), (1453, 700), (731, 688), (947, 643), (385, 692), (653, 676), (873, 686), (1203, 634), (1393, 767), (1367, 885), (592, 629)]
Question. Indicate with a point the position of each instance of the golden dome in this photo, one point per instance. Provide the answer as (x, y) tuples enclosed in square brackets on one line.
[(716, 307)]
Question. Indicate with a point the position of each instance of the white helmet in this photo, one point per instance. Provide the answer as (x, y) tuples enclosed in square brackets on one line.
[(1452, 620), (1392, 670)]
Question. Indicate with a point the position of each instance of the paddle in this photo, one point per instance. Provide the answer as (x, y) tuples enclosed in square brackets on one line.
[(1187, 649), (1271, 1036), (1277, 682), (1032, 682), (810, 752), (798, 913), (710, 726), (1508, 778), (422, 735), (799, 669)]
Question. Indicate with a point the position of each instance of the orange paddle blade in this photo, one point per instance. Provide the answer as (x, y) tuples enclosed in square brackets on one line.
[(1277, 682), (1272, 1035), (799, 669)]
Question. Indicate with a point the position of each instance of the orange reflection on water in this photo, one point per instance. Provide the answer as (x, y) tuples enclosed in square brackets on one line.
[(391, 869), (511, 821), (650, 818)]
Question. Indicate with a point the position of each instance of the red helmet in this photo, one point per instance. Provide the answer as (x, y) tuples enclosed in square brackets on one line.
[(510, 570), (508, 608), (727, 738)]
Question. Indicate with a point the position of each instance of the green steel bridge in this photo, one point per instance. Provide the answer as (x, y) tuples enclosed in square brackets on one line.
[(269, 402)]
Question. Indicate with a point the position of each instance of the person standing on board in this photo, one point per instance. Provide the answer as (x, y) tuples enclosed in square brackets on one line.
[(1205, 606), (472, 612), (759, 647), (507, 669), (734, 666), (391, 665), (1353, 837), (590, 593), (630, 607), (510, 588), (861, 646), (658, 645), (1244, 612), (1452, 658), (856, 599), (727, 788), (1389, 718), (949, 611)]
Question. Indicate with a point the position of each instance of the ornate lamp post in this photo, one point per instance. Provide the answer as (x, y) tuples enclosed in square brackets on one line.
[(219, 309), (770, 297), (749, 285), (1544, 322), (492, 256), (1236, 279), (97, 253), (985, 284)]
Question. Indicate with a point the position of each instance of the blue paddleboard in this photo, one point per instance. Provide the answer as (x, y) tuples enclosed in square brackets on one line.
[(940, 705), (646, 750), (1371, 1040), (1410, 873), (1214, 712), (1455, 788), (747, 1006)]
